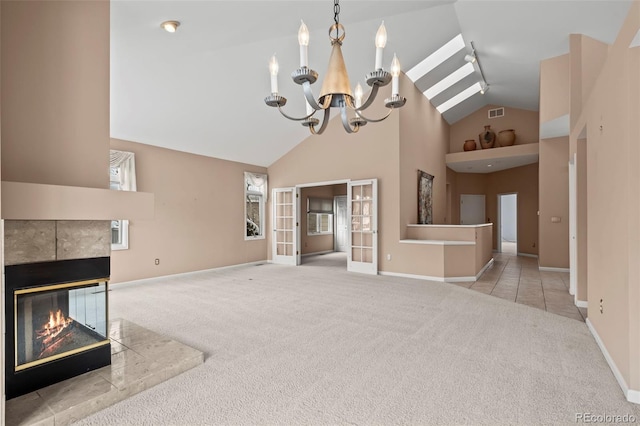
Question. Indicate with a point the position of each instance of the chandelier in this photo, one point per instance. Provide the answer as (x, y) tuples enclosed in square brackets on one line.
[(336, 89)]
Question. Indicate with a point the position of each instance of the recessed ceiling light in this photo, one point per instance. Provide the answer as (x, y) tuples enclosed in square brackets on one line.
[(170, 26)]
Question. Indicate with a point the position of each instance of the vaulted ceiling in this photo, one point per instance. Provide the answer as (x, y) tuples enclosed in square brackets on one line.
[(201, 89)]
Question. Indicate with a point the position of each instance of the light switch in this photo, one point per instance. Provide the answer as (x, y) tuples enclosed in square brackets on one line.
[(555, 219)]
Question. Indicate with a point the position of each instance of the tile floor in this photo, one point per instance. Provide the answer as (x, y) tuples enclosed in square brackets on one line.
[(140, 359), (518, 279)]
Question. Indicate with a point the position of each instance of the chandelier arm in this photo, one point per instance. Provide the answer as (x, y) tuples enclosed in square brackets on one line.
[(294, 118), (370, 99), (325, 122), (370, 120), (345, 120), (308, 94)]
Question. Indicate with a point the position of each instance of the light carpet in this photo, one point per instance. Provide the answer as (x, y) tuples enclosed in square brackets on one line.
[(315, 344)]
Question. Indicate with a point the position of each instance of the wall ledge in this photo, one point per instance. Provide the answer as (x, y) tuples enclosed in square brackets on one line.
[(34, 201)]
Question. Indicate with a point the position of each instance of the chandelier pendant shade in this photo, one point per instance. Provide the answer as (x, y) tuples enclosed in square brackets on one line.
[(336, 89)]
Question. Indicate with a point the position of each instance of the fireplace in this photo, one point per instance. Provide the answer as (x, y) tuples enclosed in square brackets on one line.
[(56, 317)]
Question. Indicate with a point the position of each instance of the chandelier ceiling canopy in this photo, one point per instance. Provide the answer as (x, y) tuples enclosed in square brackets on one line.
[(336, 89)]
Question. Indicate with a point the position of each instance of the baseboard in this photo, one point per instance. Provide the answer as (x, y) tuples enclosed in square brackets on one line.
[(630, 394), (414, 276), (549, 269), (186, 274), (535, 256), (484, 268), (317, 253), (439, 279), (582, 303)]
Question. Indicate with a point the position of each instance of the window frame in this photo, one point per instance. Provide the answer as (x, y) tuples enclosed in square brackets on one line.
[(319, 223), (251, 190), (123, 228)]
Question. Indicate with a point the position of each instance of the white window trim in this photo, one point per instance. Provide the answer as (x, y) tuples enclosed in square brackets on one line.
[(126, 162), (329, 232), (258, 179)]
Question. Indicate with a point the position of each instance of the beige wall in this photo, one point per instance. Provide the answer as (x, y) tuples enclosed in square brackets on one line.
[(376, 152), (613, 187), (199, 215), (55, 92), (424, 136), (521, 180), (587, 59), (554, 203), (555, 87), (524, 122)]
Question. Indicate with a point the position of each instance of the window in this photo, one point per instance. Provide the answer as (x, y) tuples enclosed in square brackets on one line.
[(255, 194), (122, 177), (319, 216)]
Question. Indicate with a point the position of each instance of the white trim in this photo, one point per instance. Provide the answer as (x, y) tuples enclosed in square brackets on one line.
[(186, 274), (414, 225), (484, 268), (440, 242), (548, 269), (528, 255), (582, 304), (326, 183), (439, 279), (631, 394), (318, 253)]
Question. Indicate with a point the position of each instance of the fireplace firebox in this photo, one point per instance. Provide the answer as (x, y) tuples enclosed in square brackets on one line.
[(57, 322)]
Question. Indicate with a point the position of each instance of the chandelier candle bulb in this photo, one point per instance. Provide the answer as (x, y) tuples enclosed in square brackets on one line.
[(358, 94), (303, 40), (381, 42), (395, 73), (273, 70)]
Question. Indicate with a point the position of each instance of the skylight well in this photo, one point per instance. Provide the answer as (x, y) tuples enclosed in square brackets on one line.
[(439, 57)]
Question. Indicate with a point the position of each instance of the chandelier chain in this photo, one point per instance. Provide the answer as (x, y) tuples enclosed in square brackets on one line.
[(336, 11)]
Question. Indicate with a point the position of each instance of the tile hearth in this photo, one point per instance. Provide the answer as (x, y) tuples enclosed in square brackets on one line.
[(140, 359)]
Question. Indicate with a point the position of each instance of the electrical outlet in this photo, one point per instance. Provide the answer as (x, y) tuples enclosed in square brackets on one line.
[(389, 257), (601, 307), (157, 261)]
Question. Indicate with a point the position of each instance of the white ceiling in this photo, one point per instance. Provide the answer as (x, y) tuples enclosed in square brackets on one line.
[(201, 89)]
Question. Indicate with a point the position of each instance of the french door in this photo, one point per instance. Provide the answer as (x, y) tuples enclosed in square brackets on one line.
[(285, 224), (362, 197)]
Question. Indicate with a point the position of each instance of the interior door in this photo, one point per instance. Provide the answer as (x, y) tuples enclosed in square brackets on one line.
[(341, 224), (471, 209), (285, 223), (362, 197)]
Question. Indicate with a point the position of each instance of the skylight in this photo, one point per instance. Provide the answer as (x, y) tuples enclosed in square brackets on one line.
[(464, 95), (449, 80), (436, 58)]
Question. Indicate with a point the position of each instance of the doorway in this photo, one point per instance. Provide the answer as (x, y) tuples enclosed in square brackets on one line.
[(304, 218), (507, 223), (341, 239)]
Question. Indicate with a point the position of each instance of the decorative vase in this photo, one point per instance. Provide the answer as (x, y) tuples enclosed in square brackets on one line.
[(506, 137), (487, 138), (469, 145)]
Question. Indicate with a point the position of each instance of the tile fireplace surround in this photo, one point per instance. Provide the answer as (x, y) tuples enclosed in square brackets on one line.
[(140, 360)]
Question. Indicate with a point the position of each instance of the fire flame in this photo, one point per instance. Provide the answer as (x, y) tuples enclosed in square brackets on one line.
[(56, 324)]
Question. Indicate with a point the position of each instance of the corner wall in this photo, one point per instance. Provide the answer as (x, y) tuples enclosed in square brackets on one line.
[(554, 203), (610, 115), (199, 215)]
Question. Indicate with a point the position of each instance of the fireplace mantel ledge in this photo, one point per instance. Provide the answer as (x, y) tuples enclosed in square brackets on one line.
[(34, 201)]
